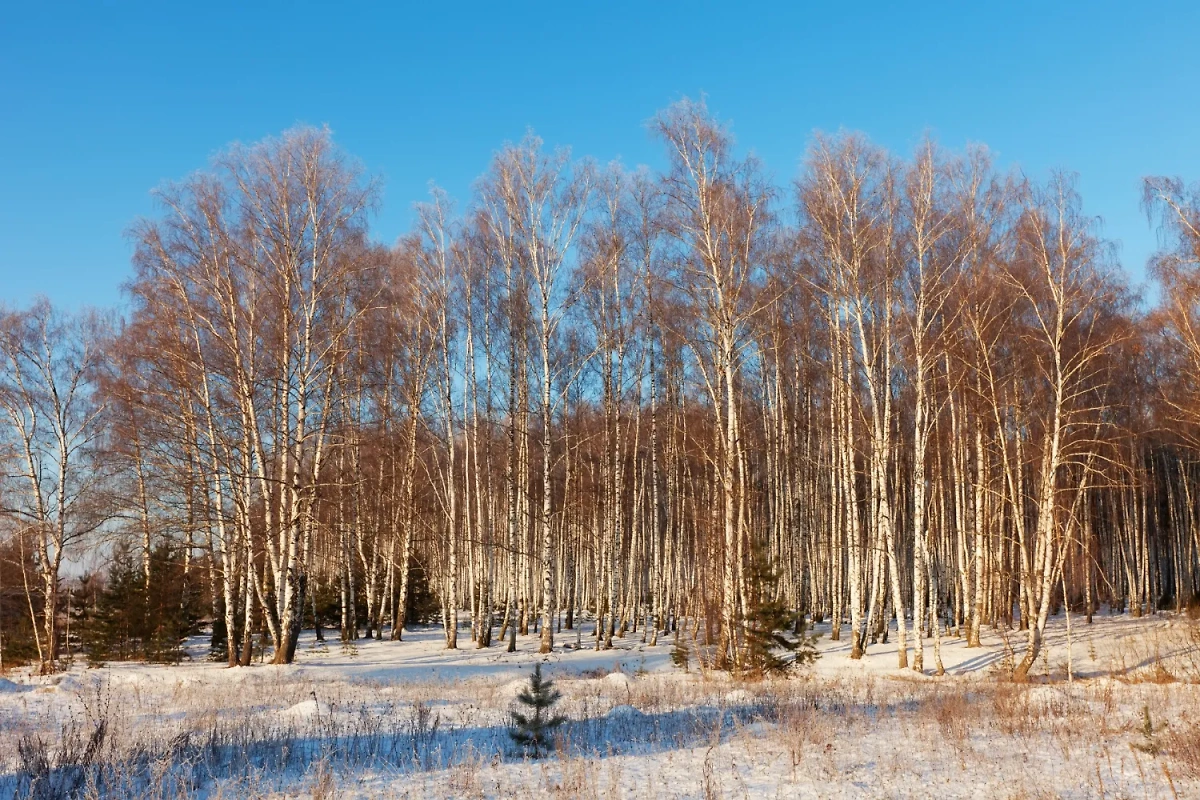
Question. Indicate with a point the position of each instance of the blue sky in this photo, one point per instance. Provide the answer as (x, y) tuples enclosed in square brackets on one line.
[(100, 102)]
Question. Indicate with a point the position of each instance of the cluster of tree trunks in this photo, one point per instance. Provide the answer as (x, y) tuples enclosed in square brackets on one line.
[(920, 388)]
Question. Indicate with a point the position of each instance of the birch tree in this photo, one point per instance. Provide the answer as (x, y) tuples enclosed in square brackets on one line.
[(55, 491)]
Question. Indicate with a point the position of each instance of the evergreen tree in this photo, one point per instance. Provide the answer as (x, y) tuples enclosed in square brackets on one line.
[(128, 619), (422, 606), (768, 647), (172, 607), (535, 732), (219, 641), (107, 625)]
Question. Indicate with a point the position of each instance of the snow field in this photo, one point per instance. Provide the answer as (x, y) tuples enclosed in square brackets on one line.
[(412, 720)]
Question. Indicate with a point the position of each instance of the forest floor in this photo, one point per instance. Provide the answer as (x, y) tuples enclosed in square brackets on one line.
[(410, 719)]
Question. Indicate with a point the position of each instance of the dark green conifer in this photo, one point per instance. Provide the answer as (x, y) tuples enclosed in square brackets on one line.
[(769, 647), (131, 618), (536, 732)]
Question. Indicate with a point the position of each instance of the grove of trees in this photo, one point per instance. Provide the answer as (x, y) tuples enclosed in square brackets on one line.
[(909, 397)]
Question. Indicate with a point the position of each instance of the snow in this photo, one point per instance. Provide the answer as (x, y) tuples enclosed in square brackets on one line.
[(618, 680), (411, 719), (738, 697), (626, 713), (511, 689), (306, 709)]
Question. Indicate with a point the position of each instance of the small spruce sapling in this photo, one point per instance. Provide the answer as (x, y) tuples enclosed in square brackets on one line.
[(535, 732), (768, 618)]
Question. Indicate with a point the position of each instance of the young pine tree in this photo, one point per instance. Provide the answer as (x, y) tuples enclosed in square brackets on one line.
[(535, 732), (769, 648)]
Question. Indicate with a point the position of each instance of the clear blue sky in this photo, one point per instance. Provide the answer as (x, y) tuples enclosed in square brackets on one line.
[(100, 101)]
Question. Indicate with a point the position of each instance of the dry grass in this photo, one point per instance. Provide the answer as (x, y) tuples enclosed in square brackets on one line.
[(1182, 745), (701, 735), (324, 787)]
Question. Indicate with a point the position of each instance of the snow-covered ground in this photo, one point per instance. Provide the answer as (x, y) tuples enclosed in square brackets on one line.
[(411, 719)]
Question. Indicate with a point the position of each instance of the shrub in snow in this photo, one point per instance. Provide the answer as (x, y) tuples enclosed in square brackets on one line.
[(535, 731)]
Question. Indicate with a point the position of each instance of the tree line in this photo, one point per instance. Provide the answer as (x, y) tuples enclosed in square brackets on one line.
[(914, 392)]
